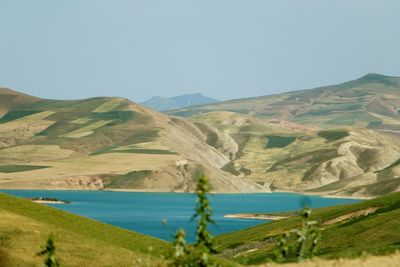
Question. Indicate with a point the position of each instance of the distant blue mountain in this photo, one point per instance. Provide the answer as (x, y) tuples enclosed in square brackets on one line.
[(168, 103)]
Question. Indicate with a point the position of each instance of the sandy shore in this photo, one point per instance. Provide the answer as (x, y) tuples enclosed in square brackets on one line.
[(346, 197), (158, 190), (326, 195), (49, 202), (256, 216)]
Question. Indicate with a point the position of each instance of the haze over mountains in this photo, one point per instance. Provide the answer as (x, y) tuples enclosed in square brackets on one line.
[(337, 140), (167, 103)]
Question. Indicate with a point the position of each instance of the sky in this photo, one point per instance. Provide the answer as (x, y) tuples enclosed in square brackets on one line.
[(226, 49)]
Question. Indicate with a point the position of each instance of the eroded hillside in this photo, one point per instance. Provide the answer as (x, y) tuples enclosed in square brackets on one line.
[(338, 140), (104, 143)]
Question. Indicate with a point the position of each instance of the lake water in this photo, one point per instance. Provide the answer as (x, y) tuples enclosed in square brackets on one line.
[(144, 212)]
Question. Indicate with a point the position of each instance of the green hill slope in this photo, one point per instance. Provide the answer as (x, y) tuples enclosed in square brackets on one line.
[(371, 101), (337, 140), (346, 231), (10, 99), (287, 156), (104, 143), (25, 226)]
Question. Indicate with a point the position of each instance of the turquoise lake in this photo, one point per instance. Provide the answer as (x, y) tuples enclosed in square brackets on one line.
[(144, 212)]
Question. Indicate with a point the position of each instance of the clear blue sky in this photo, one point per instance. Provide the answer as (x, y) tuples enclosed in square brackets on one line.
[(222, 48)]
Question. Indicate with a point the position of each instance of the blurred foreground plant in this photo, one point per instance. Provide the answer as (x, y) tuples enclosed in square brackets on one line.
[(305, 241), (197, 255), (49, 251)]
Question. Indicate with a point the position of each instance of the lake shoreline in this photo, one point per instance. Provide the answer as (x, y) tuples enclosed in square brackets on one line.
[(184, 192), (324, 195), (145, 212), (256, 216), (49, 202)]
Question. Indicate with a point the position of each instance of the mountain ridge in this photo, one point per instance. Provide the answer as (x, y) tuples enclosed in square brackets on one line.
[(325, 140), (105, 143), (370, 96), (368, 76), (337, 140)]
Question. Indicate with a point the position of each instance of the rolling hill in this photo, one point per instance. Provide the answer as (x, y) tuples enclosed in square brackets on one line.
[(25, 227), (337, 140), (347, 231), (334, 140), (167, 103), (371, 101), (104, 143)]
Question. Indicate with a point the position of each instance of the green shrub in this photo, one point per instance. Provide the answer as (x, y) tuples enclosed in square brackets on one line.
[(49, 251), (197, 255), (299, 244)]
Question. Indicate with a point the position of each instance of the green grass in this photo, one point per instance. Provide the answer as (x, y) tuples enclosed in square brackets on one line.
[(79, 241), (348, 103), (241, 139), (86, 129), (124, 127), (60, 127), (17, 114), (144, 151), (20, 168), (394, 164), (312, 158), (118, 115), (332, 107), (380, 188), (212, 139), (374, 124), (108, 106), (129, 180), (376, 233), (353, 118), (135, 150), (127, 134), (84, 226), (187, 113), (333, 135), (87, 230), (279, 141), (378, 78)]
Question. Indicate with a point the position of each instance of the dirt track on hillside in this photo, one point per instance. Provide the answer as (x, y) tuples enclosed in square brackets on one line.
[(371, 261)]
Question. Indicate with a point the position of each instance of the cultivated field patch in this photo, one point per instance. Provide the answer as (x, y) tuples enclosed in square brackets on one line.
[(86, 130), (20, 168), (275, 141)]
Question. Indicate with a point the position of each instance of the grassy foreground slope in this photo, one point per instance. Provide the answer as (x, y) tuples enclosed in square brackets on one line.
[(371, 226), (103, 143), (25, 226)]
